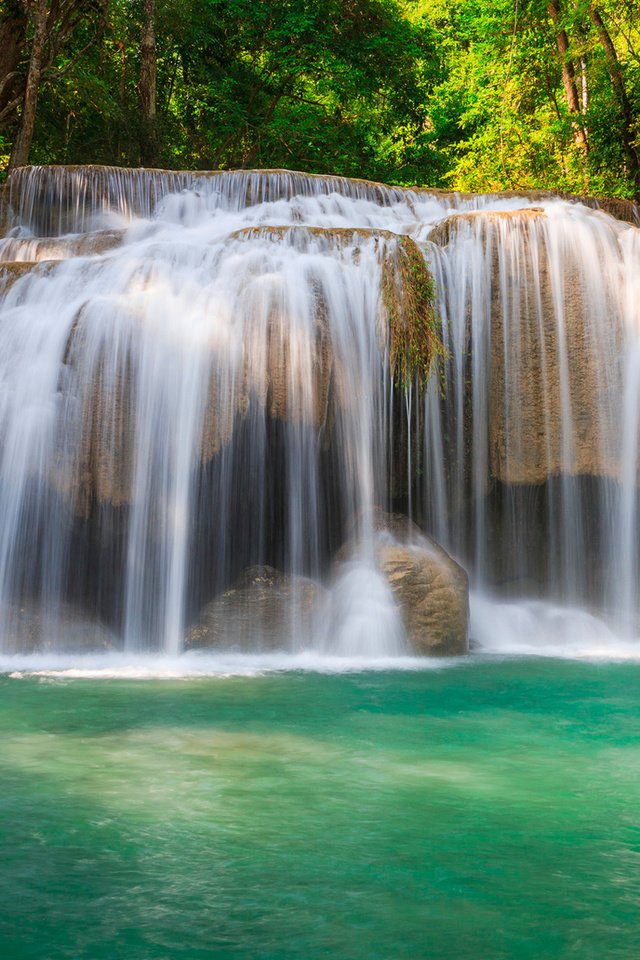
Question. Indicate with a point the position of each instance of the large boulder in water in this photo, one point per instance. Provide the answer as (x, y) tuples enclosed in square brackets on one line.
[(27, 628), (429, 587), (263, 610), (432, 593)]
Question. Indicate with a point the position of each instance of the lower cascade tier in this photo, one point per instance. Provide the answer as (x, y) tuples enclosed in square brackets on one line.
[(223, 396)]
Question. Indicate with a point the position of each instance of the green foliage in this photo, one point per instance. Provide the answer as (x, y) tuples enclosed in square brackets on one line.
[(461, 93), (503, 86), (339, 87)]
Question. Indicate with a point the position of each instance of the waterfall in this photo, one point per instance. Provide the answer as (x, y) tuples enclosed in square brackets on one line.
[(195, 382), (539, 469)]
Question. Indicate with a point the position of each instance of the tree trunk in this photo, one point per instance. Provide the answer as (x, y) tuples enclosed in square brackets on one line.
[(22, 143), (149, 140), (584, 81), (568, 77), (12, 42), (617, 82)]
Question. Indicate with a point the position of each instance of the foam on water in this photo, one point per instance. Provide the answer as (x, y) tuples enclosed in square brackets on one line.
[(538, 628), (498, 629), (191, 666)]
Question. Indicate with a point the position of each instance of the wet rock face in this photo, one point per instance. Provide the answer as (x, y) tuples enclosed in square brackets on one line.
[(446, 230), (626, 211), (429, 587), (263, 610), (5, 215), (291, 367), (546, 344), (555, 352), (36, 249), (11, 272)]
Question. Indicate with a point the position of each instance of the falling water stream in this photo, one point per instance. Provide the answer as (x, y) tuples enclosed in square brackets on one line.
[(194, 380)]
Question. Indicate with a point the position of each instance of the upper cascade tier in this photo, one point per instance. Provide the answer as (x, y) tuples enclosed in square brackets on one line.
[(54, 200)]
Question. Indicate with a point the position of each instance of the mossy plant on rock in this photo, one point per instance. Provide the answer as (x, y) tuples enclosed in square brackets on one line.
[(408, 300), (412, 325)]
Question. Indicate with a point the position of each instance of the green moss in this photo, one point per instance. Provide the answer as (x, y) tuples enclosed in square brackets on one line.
[(414, 331)]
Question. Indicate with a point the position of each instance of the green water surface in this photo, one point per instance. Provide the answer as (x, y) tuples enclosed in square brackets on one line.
[(489, 810)]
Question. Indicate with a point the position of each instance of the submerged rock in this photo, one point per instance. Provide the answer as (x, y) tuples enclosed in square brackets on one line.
[(429, 587), (263, 610)]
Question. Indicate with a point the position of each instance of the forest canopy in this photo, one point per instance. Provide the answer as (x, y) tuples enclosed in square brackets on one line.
[(465, 94)]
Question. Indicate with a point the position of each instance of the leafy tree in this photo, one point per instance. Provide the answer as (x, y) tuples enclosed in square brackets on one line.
[(532, 86), (473, 94), (34, 34)]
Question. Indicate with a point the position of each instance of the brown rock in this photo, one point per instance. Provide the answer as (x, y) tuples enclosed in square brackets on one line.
[(264, 609), (99, 467), (306, 385), (10, 272), (33, 249), (431, 591), (553, 347), (5, 213), (429, 587), (626, 211), (446, 229), (29, 629)]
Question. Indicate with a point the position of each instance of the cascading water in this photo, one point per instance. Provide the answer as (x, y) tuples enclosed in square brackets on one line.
[(536, 483), (195, 382)]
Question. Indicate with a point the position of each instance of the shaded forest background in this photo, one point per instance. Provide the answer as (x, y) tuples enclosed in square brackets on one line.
[(466, 94)]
